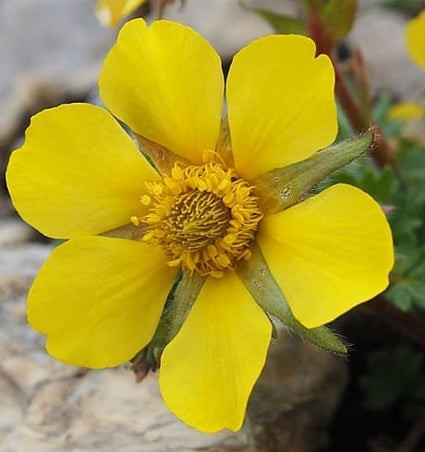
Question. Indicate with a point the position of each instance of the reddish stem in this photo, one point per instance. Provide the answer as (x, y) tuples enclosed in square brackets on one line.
[(360, 121), (359, 118)]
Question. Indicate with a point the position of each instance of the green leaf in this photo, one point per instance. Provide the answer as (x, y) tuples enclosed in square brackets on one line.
[(408, 7), (391, 128), (282, 23), (380, 184), (394, 373), (338, 17), (399, 295), (411, 156), (408, 288)]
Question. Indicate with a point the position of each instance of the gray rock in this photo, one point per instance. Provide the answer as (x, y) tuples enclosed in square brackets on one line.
[(378, 32), (226, 24), (50, 51), (48, 406), (13, 231), (295, 399), (380, 35)]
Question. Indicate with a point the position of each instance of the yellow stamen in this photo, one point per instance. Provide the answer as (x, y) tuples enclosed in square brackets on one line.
[(135, 221), (204, 216), (145, 200)]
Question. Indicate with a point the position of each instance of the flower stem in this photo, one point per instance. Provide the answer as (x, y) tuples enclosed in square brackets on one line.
[(360, 118), (381, 152)]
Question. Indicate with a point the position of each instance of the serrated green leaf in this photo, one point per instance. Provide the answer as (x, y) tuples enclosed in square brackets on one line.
[(394, 373), (399, 295), (411, 157), (408, 288), (380, 184)]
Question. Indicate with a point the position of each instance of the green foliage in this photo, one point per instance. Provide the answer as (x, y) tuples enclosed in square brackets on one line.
[(410, 7), (338, 17), (404, 202), (282, 23), (405, 206), (394, 374), (379, 111)]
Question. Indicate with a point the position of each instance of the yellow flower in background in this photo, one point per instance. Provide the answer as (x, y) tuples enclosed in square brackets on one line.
[(406, 111), (99, 298), (415, 37), (110, 12)]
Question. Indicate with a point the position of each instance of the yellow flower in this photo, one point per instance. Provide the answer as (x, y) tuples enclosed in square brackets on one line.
[(406, 111), (415, 37), (99, 298), (110, 12)]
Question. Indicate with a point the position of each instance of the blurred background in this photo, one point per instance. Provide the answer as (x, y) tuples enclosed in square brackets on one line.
[(51, 52)]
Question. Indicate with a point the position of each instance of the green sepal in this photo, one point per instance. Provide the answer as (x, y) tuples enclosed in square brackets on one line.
[(283, 187), (257, 278), (282, 23), (224, 143), (179, 302), (129, 231)]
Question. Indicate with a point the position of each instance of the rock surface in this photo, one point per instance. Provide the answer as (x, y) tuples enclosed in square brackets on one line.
[(50, 52), (47, 406), (227, 24), (380, 35)]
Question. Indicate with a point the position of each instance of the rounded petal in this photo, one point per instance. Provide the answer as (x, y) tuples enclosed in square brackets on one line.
[(280, 103), (328, 253), (208, 370), (415, 37), (99, 299), (406, 111), (110, 12), (166, 83), (78, 173)]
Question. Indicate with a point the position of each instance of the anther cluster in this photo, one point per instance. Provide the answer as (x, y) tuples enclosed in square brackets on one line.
[(204, 216)]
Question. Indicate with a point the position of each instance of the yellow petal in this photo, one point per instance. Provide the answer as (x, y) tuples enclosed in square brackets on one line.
[(110, 12), (328, 253), (209, 369), (78, 173), (406, 111), (280, 103), (99, 299), (415, 37), (166, 83)]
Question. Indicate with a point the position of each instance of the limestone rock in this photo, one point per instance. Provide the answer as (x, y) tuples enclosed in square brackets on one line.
[(51, 51), (226, 24), (13, 231), (48, 406), (380, 35)]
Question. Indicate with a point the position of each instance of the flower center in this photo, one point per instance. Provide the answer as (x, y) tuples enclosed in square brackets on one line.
[(197, 218), (204, 216)]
